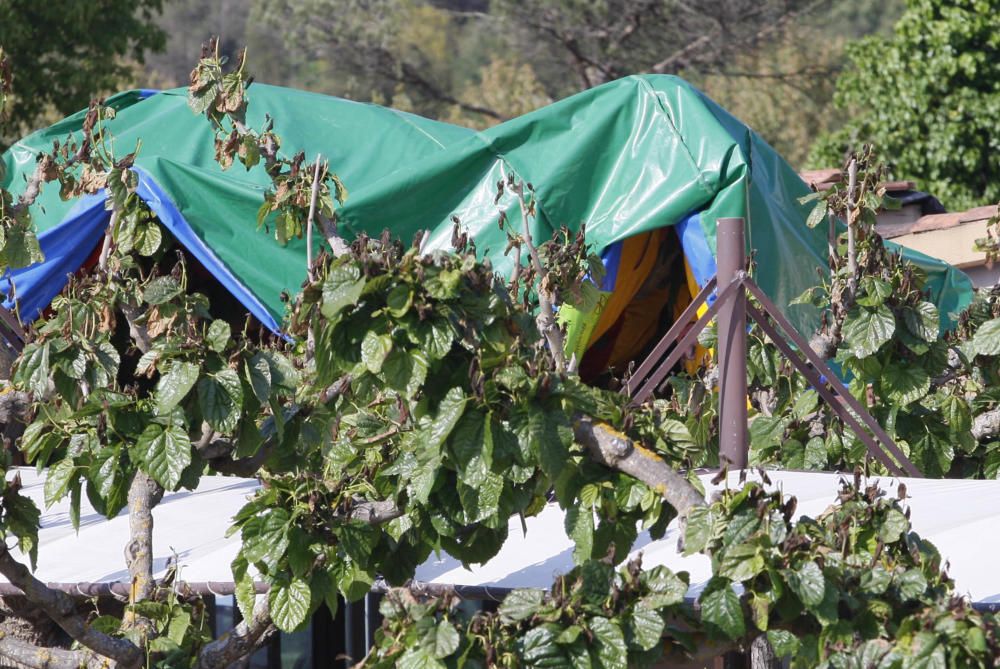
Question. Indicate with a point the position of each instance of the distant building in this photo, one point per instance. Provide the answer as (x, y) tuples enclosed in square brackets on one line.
[(922, 224)]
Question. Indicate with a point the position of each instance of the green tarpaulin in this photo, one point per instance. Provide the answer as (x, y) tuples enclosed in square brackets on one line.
[(634, 155)]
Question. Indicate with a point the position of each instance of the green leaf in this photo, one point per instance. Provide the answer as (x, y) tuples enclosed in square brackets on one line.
[(647, 628), (922, 321), (218, 335), (289, 604), (894, 525), (449, 411), (265, 537), (808, 584), (341, 289), (148, 239), (912, 584), (866, 329), (33, 368), (784, 643), (220, 397), (905, 383), (874, 292), (258, 374), (175, 385), (721, 611), (520, 604), (986, 341), (610, 643), (166, 452), (580, 528), (161, 289), (699, 530), (399, 300), (446, 640), (58, 479), (817, 214), (538, 648), (419, 658), (375, 349), (665, 588)]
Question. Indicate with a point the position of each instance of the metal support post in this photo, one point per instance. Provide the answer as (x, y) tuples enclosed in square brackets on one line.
[(732, 348)]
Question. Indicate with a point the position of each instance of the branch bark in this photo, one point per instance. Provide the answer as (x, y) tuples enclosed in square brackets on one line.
[(546, 312), (986, 426), (37, 657), (241, 642), (616, 451), (60, 607), (143, 494)]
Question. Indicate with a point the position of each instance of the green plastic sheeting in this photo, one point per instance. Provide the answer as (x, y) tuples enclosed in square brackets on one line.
[(631, 156)]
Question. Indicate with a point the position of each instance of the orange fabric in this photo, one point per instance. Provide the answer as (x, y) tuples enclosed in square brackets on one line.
[(639, 254)]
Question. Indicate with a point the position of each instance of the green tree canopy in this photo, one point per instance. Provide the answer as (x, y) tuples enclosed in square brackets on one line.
[(65, 52), (929, 97)]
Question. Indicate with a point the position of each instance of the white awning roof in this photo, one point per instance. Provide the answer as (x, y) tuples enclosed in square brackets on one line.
[(962, 518)]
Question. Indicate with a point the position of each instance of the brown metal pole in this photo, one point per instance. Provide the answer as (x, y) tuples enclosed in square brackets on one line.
[(732, 348)]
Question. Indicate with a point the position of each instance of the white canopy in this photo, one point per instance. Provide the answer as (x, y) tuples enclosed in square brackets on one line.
[(960, 517)]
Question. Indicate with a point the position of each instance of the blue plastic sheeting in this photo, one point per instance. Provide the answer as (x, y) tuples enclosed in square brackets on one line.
[(66, 247), (700, 258), (611, 257), (174, 221)]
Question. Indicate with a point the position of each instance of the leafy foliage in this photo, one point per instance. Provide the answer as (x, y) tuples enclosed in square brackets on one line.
[(854, 582), (927, 97), (82, 53)]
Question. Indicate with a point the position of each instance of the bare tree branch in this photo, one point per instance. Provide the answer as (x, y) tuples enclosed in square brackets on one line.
[(616, 451), (140, 336), (241, 642), (143, 494), (60, 607), (986, 426), (25, 654)]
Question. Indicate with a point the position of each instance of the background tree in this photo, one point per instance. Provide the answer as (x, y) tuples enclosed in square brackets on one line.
[(65, 52), (927, 97)]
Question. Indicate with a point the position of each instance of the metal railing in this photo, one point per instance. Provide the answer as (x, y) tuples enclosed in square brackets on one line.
[(732, 306)]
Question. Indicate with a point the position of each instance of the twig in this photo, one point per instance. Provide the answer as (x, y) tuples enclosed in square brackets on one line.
[(106, 245), (546, 314), (309, 221), (852, 215)]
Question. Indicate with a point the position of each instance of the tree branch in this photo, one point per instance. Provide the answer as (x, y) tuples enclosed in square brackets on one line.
[(25, 654), (547, 324), (143, 494), (241, 642), (986, 426), (60, 607), (616, 451), (140, 336)]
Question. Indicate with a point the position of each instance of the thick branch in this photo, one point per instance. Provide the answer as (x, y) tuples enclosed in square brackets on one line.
[(986, 426), (37, 657), (615, 450), (61, 608), (338, 246), (241, 642), (143, 495), (138, 332), (374, 513)]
